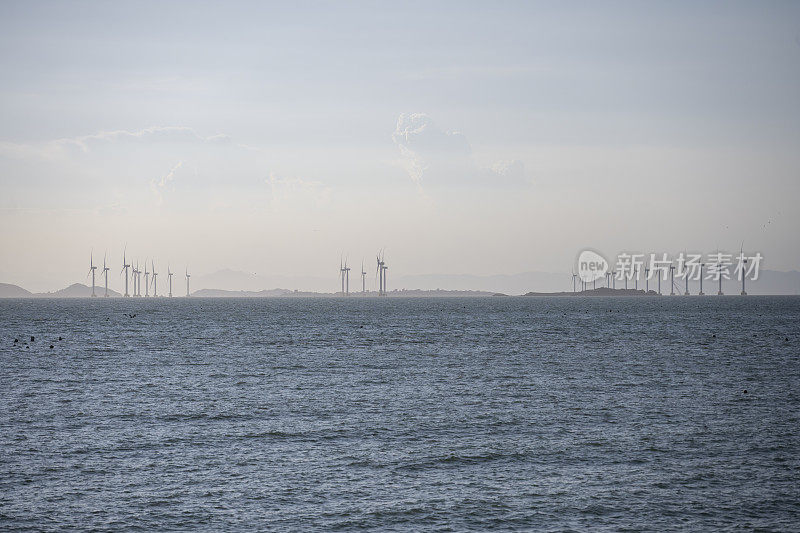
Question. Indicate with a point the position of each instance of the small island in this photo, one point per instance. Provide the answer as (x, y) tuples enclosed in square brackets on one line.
[(602, 291)]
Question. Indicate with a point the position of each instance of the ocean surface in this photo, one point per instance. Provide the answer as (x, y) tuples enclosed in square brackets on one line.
[(395, 414)]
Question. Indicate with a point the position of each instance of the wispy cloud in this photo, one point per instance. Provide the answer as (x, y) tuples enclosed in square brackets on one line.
[(159, 186), (436, 156), (283, 189), (156, 134), (85, 143)]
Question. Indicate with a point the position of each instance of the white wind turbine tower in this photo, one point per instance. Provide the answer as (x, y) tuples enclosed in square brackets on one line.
[(169, 276), (155, 287), (146, 280), (363, 279), (138, 280), (187, 282), (134, 275), (384, 268), (743, 262), (92, 269), (125, 267), (341, 274), (105, 273), (381, 270), (379, 273), (347, 278), (701, 293)]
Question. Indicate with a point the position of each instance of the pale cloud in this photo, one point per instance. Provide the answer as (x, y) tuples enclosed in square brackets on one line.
[(156, 134), (510, 169), (159, 186), (417, 133), (85, 143), (432, 155), (283, 189)]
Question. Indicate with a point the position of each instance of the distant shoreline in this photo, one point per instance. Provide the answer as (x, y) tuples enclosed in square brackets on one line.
[(602, 291), (78, 290)]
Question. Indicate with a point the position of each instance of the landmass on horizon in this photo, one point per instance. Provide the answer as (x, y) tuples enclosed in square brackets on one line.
[(236, 284)]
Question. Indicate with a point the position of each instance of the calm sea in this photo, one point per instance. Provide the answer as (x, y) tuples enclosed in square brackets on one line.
[(400, 414)]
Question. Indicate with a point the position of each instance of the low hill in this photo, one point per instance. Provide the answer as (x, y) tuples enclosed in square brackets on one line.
[(7, 290), (76, 290), (602, 291)]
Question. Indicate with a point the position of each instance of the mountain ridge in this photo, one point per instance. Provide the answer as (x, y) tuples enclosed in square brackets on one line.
[(226, 283)]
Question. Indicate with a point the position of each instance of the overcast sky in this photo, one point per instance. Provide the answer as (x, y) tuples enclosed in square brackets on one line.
[(478, 138)]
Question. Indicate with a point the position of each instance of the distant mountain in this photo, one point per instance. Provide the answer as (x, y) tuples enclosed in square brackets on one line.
[(76, 290), (7, 290), (769, 282), (231, 283)]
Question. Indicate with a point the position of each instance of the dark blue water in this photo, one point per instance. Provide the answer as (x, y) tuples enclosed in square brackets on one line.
[(400, 414)]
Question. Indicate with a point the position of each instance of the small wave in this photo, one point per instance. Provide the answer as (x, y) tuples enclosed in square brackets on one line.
[(455, 460)]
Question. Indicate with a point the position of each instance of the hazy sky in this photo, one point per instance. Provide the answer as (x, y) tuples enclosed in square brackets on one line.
[(476, 138)]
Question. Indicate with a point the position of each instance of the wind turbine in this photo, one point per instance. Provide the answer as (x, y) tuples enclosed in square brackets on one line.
[(155, 287), (134, 276), (701, 293), (138, 280), (363, 279), (146, 280), (125, 267), (743, 262), (341, 273), (659, 283), (92, 268), (105, 273), (169, 276), (187, 282), (686, 283), (686, 278), (347, 278), (379, 273), (384, 268)]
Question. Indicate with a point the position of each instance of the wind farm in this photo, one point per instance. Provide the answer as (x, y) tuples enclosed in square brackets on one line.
[(130, 275), (138, 278)]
